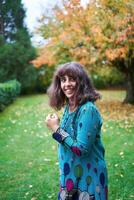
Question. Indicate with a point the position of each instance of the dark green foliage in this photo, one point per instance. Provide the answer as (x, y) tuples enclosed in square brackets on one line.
[(15, 64), (16, 50), (11, 18), (107, 78), (28, 80), (8, 93), (45, 74)]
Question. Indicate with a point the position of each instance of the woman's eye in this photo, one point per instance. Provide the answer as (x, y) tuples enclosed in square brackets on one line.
[(62, 80), (71, 79)]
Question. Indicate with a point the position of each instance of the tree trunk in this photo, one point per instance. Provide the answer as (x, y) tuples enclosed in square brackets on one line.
[(129, 88), (1, 26)]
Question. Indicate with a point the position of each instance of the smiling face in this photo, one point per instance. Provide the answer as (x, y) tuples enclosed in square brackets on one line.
[(68, 86)]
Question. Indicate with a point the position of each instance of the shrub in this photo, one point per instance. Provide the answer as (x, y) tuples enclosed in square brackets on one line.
[(45, 74), (28, 80), (15, 64), (8, 93), (107, 77)]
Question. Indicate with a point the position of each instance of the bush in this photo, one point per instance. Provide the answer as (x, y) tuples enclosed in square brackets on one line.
[(28, 80), (107, 77), (15, 64), (45, 74), (8, 93)]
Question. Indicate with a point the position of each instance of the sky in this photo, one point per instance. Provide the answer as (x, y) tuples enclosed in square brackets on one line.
[(34, 9)]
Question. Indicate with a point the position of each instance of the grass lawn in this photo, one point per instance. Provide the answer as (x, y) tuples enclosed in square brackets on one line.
[(28, 154)]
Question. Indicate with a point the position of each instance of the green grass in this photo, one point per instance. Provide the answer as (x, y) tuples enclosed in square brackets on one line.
[(113, 95), (28, 154)]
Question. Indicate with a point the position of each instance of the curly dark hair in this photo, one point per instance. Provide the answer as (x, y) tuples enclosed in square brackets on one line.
[(85, 90)]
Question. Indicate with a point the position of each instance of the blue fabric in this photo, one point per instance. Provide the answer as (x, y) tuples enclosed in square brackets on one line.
[(81, 154), (57, 137)]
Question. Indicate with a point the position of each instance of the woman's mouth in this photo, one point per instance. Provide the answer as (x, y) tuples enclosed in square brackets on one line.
[(69, 91)]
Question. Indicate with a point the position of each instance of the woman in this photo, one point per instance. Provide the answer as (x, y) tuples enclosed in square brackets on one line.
[(83, 173)]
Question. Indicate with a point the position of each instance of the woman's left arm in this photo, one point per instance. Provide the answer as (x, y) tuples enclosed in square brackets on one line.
[(87, 129)]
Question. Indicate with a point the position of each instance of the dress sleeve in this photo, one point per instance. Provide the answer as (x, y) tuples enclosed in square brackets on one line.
[(87, 128)]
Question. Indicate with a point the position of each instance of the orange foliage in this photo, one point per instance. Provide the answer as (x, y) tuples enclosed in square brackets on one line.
[(88, 34), (113, 54), (116, 110)]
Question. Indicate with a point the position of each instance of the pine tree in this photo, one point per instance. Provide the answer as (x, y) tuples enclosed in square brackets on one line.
[(16, 50)]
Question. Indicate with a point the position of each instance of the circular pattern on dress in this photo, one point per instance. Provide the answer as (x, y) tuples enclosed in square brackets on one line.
[(102, 179), (80, 124), (78, 171), (95, 170), (88, 180), (76, 150), (88, 165), (66, 169), (84, 196), (63, 195), (69, 184)]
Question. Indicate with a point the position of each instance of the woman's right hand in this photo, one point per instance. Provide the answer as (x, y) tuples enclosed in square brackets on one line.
[(52, 121)]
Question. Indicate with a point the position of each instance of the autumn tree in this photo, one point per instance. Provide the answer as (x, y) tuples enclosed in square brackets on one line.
[(68, 38), (99, 34), (116, 20)]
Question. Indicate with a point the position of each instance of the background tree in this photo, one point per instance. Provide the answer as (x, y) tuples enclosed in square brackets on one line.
[(100, 34), (118, 28), (11, 18), (16, 50)]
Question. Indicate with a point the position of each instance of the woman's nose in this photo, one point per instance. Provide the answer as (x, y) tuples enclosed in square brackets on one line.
[(67, 82)]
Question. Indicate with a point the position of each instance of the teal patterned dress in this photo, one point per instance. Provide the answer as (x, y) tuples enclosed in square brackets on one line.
[(83, 172)]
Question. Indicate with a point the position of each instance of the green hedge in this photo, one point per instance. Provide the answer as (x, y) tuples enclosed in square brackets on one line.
[(45, 75), (8, 93), (107, 77)]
